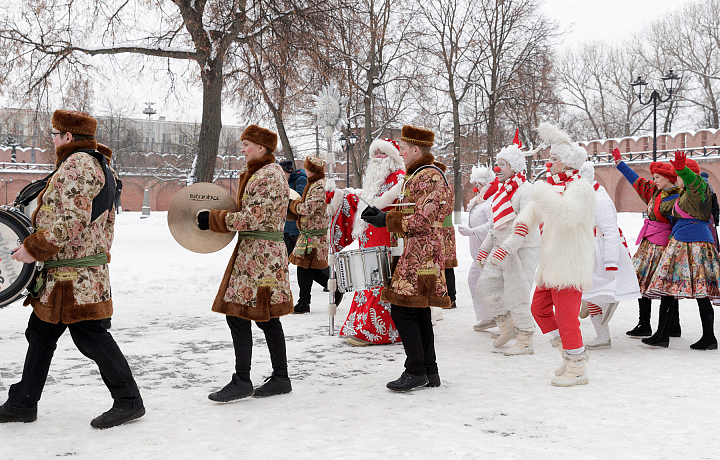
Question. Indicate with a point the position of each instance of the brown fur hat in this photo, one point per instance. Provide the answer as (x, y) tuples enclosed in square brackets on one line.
[(70, 121), (260, 136), (417, 136), (105, 150), (314, 165)]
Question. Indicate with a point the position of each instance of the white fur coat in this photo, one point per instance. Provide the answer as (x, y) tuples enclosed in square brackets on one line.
[(568, 248)]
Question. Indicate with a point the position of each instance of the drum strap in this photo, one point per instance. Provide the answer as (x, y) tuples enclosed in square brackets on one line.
[(306, 243), (90, 261), (260, 235)]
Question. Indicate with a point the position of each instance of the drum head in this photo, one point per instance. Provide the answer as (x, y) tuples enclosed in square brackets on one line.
[(15, 276), (182, 217)]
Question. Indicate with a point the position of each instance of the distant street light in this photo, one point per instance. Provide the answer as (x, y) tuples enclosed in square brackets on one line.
[(670, 81), (347, 143)]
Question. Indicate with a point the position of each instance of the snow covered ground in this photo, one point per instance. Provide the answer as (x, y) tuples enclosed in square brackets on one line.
[(641, 402)]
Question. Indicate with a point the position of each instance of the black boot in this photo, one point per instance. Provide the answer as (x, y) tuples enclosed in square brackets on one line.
[(643, 328), (274, 385), (302, 308), (675, 330), (661, 338), (433, 380), (408, 382), (236, 389), (338, 297), (117, 416), (10, 413), (707, 317)]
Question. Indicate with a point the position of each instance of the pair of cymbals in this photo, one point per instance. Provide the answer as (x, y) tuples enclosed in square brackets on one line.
[(185, 207)]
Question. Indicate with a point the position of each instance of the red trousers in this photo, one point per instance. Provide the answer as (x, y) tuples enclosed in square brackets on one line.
[(563, 317)]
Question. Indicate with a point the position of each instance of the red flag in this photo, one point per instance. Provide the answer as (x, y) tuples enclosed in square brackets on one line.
[(516, 139)]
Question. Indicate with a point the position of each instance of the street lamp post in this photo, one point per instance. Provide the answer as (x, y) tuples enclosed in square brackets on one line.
[(347, 144), (670, 81), (353, 139)]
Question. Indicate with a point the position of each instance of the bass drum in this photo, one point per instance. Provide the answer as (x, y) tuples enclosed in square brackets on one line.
[(15, 277), (26, 200)]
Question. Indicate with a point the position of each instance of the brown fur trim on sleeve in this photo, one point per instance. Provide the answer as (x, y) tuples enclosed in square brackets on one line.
[(393, 221), (217, 221), (293, 206), (38, 247)]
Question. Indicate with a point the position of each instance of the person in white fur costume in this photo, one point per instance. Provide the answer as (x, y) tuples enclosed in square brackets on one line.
[(612, 278), (479, 222), (565, 207), (508, 261), (368, 321)]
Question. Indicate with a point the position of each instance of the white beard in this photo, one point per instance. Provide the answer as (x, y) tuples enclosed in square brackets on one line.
[(377, 171)]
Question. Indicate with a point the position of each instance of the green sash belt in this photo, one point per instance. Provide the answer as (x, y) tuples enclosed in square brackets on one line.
[(447, 222), (306, 242), (94, 260), (261, 235)]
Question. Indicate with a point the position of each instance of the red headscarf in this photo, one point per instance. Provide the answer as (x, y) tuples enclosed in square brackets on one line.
[(666, 170), (692, 164)]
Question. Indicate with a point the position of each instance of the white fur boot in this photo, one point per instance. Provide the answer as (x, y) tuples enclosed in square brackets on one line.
[(436, 315), (484, 325), (523, 345), (556, 342), (603, 333), (507, 330), (574, 371)]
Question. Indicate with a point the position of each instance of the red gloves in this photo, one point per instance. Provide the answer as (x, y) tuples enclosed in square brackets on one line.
[(616, 155), (679, 163), (329, 196)]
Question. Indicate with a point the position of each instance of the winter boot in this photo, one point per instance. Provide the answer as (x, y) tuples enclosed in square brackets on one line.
[(603, 333), (556, 342), (584, 311), (301, 308), (675, 330), (484, 325), (117, 416), (407, 382), (661, 337), (643, 328), (574, 371), (707, 317), (274, 385), (433, 380), (10, 413), (507, 331), (523, 345), (436, 315), (357, 342), (236, 389)]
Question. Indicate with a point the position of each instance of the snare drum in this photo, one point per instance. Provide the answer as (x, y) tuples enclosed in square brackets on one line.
[(15, 276), (362, 269)]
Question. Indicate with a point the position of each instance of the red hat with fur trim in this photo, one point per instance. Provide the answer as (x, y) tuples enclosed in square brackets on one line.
[(389, 147), (664, 169)]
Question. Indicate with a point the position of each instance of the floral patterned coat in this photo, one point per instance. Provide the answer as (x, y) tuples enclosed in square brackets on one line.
[(312, 212), (63, 231), (418, 279), (447, 234), (256, 284)]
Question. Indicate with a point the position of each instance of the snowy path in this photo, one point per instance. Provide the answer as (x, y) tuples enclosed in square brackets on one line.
[(640, 403)]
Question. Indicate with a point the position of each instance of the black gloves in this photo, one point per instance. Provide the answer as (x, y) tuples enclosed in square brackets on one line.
[(373, 216), (204, 220)]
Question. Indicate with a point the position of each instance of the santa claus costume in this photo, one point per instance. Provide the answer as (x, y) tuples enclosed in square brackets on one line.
[(509, 261), (479, 222), (613, 275), (368, 321), (565, 206)]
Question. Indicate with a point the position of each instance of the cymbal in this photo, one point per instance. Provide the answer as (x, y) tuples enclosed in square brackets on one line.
[(294, 195), (183, 211)]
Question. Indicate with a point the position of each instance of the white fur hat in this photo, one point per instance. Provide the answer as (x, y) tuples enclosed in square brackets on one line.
[(570, 153), (389, 147), (514, 157), (481, 175), (587, 171)]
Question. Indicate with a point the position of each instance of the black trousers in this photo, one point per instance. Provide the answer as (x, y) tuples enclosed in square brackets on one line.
[(241, 330), (93, 341), (306, 276), (290, 242), (418, 339), (450, 280)]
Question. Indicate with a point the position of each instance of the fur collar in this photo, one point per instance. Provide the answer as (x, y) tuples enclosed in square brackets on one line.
[(312, 180), (425, 160), (64, 151), (253, 166)]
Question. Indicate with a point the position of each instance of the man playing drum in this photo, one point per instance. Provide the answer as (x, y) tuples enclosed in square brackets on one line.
[(73, 291), (256, 284), (418, 281)]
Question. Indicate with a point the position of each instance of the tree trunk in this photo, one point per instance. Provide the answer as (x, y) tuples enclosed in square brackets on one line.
[(282, 134), (211, 124), (457, 178), (491, 131)]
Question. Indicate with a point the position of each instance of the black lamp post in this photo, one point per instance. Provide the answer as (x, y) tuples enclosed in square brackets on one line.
[(344, 144), (353, 139), (670, 81)]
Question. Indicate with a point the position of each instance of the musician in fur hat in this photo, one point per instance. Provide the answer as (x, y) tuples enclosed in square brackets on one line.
[(311, 251), (418, 280), (74, 230), (256, 284)]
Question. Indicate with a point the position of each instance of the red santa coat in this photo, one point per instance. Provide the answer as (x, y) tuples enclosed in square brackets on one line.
[(369, 317)]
